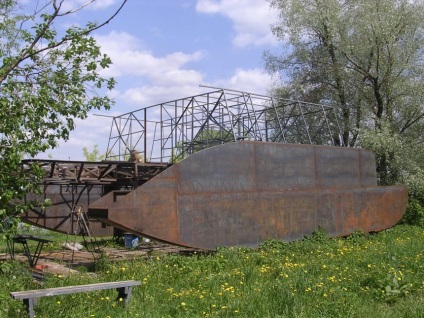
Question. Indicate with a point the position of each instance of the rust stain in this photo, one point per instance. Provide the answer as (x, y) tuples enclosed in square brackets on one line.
[(244, 193)]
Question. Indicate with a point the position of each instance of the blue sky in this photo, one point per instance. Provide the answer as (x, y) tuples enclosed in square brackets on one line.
[(163, 49)]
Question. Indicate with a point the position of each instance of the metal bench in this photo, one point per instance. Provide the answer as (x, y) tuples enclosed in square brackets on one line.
[(22, 239), (30, 297)]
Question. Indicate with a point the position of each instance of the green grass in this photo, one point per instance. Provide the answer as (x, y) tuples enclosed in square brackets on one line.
[(56, 238), (380, 275)]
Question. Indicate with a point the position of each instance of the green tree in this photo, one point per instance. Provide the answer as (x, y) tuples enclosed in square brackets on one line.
[(93, 155), (205, 138), (364, 57), (47, 79)]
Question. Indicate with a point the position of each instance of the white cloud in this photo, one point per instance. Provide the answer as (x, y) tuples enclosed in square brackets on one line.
[(252, 19), (156, 94), (158, 79), (88, 132), (148, 79), (95, 129), (130, 58), (96, 5), (252, 81), (102, 4)]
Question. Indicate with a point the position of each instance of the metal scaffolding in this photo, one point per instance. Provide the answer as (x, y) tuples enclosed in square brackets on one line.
[(171, 131)]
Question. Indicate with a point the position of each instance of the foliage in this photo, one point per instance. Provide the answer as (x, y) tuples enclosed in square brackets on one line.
[(102, 262), (273, 244), (47, 79), (93, 155), (389, 150), (379, 276), (205, 138), (296, 122), (6, 267), (394, 287), (357, 237), (414, 213), (319, 235), (365, 59)]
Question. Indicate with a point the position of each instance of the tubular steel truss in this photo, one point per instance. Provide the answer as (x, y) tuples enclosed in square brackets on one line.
[(171, 131)]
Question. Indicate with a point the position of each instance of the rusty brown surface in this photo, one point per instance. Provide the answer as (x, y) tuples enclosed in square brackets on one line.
[(91, 172), (62, 216), (244, 193), (72, 186)]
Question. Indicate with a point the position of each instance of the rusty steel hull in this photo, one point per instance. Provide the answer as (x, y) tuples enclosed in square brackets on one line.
[(66, 199), (240, 194)]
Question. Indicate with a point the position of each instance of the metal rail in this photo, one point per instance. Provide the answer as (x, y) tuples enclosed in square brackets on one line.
[(96, 173)]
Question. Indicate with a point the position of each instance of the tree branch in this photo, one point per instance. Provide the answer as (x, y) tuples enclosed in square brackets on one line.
[(26, 54)]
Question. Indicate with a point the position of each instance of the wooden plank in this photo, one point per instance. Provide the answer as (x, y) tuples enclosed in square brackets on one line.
[(37, 293)]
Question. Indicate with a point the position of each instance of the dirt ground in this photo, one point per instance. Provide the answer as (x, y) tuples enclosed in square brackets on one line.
[(66, 262)]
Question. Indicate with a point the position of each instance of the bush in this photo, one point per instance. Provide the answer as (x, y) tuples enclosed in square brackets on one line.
[(414, 214)]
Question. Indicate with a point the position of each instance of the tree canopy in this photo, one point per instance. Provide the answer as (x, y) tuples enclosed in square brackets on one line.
[(93, 155), (48, 78), (365, 58)]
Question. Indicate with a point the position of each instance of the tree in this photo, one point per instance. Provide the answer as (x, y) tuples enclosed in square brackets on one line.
[(205, 138), (364, 57), (93, 155), (47, 79)]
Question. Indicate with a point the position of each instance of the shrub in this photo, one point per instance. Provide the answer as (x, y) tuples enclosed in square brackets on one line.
[(414, 214)]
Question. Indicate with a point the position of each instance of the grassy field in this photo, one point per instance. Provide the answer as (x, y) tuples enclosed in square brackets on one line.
[(380, 275)]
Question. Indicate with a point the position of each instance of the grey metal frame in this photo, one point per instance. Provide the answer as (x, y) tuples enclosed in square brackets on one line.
[(171, 131)]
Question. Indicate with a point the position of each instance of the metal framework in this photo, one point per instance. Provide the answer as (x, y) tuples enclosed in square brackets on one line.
[(171, 131), (73, 185), (240, 192), (68, 173)]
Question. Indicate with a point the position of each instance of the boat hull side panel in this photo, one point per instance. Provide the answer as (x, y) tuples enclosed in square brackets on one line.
[(244, 193), (250, 218)]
